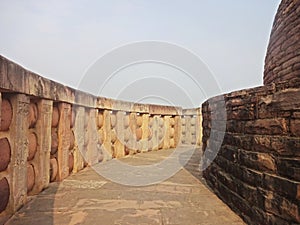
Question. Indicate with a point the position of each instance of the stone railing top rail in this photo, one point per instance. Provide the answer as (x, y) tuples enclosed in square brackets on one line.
[(15, 78)]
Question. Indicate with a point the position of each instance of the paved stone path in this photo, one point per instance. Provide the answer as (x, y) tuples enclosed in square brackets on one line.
[(87, 198)]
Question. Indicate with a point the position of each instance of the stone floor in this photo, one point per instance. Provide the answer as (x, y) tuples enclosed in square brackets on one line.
[(88, 198)]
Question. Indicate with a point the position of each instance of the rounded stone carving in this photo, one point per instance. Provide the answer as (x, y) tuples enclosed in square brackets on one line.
[(32, 146), (6, 114), (30, 177), (4, 154), (33, 114), (55, 117), (282, 62), (53, 169), (4, 194)]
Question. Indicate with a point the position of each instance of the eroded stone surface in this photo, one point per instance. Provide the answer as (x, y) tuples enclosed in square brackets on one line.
[(87, 198)]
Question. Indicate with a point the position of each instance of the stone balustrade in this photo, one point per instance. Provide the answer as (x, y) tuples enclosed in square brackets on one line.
[(49, 131)]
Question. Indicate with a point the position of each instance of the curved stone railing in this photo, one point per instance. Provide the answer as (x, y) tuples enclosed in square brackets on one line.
[(49, 131)]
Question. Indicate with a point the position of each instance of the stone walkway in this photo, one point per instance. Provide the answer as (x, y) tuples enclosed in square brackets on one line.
[(87, 198)]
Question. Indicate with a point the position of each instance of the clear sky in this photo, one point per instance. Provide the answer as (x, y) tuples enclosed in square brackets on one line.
[(62, 40)]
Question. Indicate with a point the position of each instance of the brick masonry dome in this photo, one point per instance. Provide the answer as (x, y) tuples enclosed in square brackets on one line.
[(282, 61)]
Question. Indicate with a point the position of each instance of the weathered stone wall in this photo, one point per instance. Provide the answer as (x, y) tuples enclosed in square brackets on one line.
[(257, 169), (283, 55), (49, 131)]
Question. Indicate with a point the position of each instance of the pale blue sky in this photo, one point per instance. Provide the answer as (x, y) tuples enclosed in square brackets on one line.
[(60, 40)]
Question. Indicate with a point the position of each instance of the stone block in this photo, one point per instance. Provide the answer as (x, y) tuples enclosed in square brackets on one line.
[(282, 207), (257, 160), (266, 126), (234, 126), (289, 167), (282, 186), (295, 127)]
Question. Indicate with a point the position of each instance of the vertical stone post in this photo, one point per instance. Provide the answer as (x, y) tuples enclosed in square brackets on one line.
[(19, 151), (193, 129), (92, 151), (145, 130), (41, 161), (100, 122), (155, 128), (63, 141), (177, 127), (132, 127), (107, 148), (139, 132), (183, 129), (79, 150), (188, 133), (161, 132), (172, 132), (166, 141), (150, 130), (119, 143), (127, 133)]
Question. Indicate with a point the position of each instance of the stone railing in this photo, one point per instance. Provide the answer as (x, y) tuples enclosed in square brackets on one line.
[(49, 131)]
